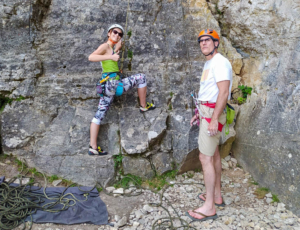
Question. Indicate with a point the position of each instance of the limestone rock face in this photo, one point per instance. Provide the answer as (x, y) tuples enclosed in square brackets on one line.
[(44, 68), (266, 34)]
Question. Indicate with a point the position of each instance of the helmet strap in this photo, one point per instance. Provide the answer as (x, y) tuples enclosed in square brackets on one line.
[(112, 41), (211, 53)]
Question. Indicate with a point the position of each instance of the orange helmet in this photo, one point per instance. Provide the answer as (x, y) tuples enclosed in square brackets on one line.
[(208, 32)]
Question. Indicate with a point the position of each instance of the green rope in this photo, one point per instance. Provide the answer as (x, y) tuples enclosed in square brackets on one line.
[(17, 203), (166, 222)]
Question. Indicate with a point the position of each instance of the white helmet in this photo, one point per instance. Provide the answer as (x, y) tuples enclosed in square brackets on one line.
[(115, 26)]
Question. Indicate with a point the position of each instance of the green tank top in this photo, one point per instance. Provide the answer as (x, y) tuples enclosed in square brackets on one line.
[(110, 66)]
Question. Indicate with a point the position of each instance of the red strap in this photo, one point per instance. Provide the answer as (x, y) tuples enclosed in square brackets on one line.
[(220, 127), (210, 105)]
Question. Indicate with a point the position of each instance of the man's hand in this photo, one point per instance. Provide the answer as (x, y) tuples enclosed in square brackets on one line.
[(115, 56), (194, 118), (212, 129)]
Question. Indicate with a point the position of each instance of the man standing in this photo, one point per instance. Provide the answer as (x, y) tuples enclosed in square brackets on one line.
[(215, 88)]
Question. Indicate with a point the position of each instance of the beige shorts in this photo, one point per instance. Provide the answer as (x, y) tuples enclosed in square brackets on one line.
[(208, 144)]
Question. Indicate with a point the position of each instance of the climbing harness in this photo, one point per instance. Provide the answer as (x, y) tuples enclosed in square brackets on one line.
[(100, 86), (230, 114)]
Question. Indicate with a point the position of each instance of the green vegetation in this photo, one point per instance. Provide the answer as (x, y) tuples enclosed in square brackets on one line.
[(159, 182), (52, 178), (6, 100), (3, 157), (170, 107), (67, 183), (118, 160), (239, 166), (218, 10), (261, 192), (126, 180), (245, 91), (129, 33), (190, 175), (130, 54), (275, 198), (252, 181), (99, 189)]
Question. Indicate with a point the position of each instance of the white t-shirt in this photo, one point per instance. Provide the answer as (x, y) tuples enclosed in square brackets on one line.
[(215, 70)]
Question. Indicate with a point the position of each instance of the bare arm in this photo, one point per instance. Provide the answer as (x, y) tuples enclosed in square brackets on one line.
[(102, 54), (220, 105)]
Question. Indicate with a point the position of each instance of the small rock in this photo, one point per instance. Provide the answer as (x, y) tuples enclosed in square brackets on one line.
[(7, 162), (227, 200), (138, 214), (237, 199), (234, 160), (25, 180), (122, 222), (117, 218), (110, 189), (224, 164), (269, 200), (280, 207), (227, 158), (135, 224), (119, 191), (290, 221), (2, 164), (127, 191), (147, 208), (277, 225), (269, 195), (189, 189), (56, 182)]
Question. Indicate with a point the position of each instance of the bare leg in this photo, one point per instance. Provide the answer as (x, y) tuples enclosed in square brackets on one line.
[(142, 92), (94, 130), (218, 170), (209, 172)]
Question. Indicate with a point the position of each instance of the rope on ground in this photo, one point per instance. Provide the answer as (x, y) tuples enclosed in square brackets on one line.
[(164, 222), (19, 202)]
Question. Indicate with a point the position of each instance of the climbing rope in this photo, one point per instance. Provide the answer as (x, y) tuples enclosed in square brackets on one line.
[(125, 35), (166, 222), (20, 201)]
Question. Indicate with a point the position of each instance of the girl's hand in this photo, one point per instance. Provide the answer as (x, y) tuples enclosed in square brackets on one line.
[(119, 45), (115, 56)]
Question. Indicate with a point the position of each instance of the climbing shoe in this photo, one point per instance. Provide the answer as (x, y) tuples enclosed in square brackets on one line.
[(149, 106), (98, 151)]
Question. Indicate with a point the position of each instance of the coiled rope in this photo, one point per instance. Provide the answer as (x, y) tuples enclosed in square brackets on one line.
[(19, 202)]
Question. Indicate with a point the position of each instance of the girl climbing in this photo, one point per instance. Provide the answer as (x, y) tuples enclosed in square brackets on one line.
[(112, 84)]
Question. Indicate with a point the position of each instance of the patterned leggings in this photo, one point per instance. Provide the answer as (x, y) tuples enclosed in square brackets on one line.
[(110, 90)]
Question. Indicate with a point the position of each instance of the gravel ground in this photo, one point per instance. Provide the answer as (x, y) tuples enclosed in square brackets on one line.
[(243, 209)]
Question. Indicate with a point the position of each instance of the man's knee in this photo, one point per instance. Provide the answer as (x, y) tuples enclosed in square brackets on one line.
[(205, 158)]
